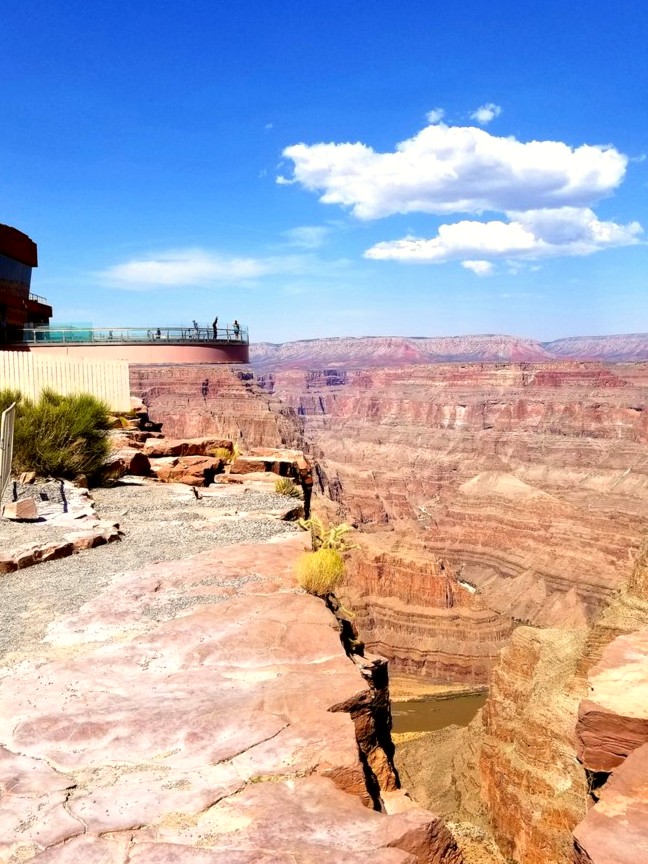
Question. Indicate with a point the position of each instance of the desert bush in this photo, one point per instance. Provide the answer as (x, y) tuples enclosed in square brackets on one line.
[(7, 398), (333, 537), (320, 572), (285, 486), (227, 454), (61, 436)]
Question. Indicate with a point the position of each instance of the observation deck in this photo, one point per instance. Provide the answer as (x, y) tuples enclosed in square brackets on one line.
[(195, 344)]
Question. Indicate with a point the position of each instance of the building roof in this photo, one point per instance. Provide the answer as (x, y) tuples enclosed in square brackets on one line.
[(14, 244)]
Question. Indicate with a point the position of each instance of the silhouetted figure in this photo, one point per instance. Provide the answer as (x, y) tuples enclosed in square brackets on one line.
[(158, 333), (215, 327), (237, 329)]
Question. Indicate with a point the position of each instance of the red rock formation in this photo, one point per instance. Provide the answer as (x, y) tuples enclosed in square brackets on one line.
[(395, 351), (612, 734), (195, 400), (530, 479), (615, 831), (613, 720), (422, 619)]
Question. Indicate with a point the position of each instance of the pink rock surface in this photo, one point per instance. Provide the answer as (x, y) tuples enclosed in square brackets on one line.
[(183, 715), (613, 721), (615, 831)]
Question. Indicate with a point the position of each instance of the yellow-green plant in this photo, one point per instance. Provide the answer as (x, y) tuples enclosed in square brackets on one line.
[(227, 454), (320, 572), (333, 537), (285, 486)]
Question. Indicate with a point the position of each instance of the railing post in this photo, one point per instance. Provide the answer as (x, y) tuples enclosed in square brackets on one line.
[(6, 445)]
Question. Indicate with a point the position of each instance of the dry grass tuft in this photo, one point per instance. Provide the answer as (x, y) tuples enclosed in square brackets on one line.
[(285, 486), (320, 572)]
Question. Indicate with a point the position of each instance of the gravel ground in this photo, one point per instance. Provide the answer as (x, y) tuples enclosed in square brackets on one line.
[(159, 524)]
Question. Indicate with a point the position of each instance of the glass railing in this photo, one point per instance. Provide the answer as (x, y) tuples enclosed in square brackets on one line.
[(36, 298), (105, 335)]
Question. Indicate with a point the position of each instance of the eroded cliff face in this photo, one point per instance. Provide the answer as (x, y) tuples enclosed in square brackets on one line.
[(415, 612), (529, 480), (565, 708), (193, 400)]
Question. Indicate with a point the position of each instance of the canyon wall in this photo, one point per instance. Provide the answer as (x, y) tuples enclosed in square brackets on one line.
[(528, 480), (199, 399)]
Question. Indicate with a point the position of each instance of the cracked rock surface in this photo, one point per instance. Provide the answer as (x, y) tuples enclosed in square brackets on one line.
[(181, 714)]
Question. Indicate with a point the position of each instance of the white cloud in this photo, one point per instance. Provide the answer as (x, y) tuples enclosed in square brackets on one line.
[(435, 116), (456, 169), (485, 113), (196, 267), (307, 236), (528, 235), (480, 268)]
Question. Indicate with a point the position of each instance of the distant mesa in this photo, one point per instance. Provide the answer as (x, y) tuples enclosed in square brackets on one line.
[(26, 326), (385, 351)]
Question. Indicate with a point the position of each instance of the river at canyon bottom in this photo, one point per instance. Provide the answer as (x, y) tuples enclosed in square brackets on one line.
[(430, 713)]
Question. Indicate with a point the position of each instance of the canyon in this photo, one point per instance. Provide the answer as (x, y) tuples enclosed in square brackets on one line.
[(500, 508)]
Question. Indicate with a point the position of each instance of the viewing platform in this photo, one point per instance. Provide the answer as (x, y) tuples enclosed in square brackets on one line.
[(195, 344)]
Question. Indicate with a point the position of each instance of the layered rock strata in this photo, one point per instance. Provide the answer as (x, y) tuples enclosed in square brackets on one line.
[(425, 621), (195, 400), (528, 479), (200, 711)]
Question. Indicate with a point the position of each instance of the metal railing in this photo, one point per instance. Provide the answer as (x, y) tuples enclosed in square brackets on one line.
[(135, 335), (38, 299), (6, 445)]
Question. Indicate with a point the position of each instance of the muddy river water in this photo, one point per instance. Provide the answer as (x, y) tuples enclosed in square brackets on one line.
[(429, 713)]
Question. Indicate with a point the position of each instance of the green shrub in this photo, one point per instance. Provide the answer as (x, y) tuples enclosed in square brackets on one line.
[(61, 436), (7, 398), (320, 572), (285, 486)]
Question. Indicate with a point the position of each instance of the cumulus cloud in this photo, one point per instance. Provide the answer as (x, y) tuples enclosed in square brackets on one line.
[(485, 113), (307, 236), (480, 268), (194, 267), (530, 235), (456, 169)]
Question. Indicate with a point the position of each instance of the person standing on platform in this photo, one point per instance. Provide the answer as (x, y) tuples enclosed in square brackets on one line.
[(237, 328), (215, 327)]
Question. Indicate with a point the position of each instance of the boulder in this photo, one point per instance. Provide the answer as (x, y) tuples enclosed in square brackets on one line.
[(190, 470), (23, 510), (128, 460)]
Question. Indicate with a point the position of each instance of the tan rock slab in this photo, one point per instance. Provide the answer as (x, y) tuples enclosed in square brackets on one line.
[(23, 510)]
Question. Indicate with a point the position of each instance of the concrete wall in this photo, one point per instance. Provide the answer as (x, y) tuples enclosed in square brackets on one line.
[(150, 352), (29, 373)]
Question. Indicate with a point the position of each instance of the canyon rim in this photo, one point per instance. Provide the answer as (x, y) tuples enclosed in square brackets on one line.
[(499, 491)]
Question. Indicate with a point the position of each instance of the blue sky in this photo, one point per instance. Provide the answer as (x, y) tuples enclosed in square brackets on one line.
[(332, 168)]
